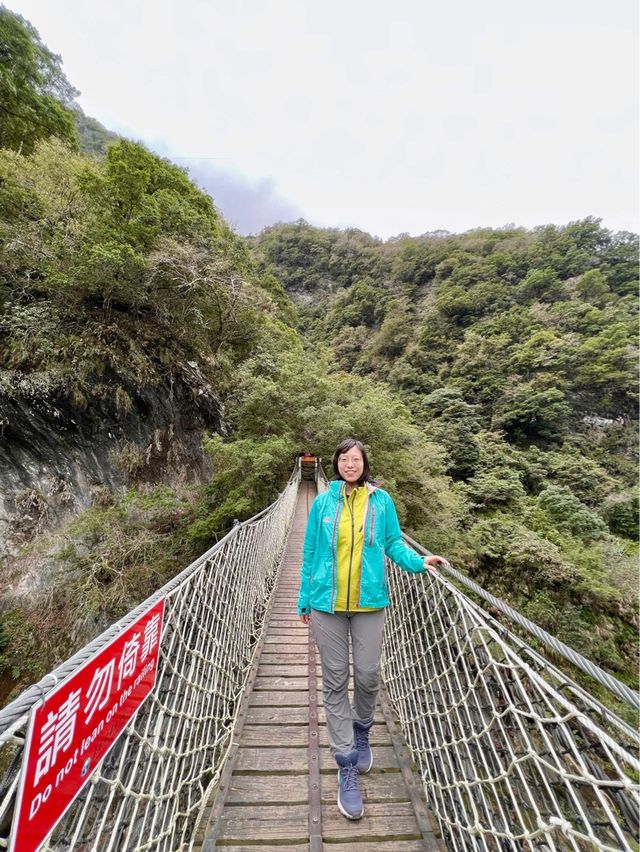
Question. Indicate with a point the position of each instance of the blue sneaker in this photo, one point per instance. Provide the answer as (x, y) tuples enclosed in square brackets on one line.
[(349, 798), (365, 755)]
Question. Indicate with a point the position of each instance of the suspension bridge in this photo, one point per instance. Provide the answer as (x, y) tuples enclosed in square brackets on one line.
[(480, 741)]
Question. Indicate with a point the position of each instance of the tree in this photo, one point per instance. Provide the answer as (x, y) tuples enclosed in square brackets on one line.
[(490, 489), (35, 95), (531, 410), (622, 514), (453, 423), (620, 263), (363, 304), (592, 287), (543, 351), (568, 514), (520, 560), (94, 138), (541, 285), (606, 368), (414, 264)]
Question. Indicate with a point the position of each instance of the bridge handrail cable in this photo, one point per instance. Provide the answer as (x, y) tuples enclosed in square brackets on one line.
[(621, 690), (510, 750)]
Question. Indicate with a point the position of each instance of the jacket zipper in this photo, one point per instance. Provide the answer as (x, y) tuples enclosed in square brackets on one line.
[(353, 535), (366, 515), (334, 589), (372, 513)]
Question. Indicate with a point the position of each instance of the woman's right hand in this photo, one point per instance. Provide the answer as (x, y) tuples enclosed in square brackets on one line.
[(431, 562), (305, 618)]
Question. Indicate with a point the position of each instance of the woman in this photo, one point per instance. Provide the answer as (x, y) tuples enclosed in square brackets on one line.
[(343, 595)]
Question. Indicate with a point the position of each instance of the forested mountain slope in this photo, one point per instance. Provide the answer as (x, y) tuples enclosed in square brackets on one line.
[(158, 373), (515, 352)]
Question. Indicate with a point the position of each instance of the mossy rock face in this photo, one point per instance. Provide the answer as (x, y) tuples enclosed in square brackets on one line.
[(56, 455)]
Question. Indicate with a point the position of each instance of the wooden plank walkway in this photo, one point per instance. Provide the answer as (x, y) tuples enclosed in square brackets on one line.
[(263, 802)]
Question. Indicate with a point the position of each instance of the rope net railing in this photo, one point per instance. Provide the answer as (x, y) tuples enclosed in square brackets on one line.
[(512, 753), (149, 791)]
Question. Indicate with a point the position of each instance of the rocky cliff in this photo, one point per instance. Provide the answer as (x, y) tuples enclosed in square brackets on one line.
[(56, 452)]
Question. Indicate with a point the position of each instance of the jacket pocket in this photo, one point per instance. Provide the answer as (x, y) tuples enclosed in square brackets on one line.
[(320, 574)]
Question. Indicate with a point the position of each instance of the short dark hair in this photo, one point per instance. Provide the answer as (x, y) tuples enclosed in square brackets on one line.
[(344, 447)]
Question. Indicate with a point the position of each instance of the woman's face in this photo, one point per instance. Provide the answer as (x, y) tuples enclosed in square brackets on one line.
[(351, 466)]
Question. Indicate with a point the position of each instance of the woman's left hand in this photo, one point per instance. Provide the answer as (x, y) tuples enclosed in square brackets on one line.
[(431, 562)]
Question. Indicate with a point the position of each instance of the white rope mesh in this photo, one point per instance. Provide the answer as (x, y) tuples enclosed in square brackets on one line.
[(512, 754), (149, 791)]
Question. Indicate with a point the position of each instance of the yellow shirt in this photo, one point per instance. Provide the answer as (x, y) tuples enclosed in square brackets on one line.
[(350, 543)]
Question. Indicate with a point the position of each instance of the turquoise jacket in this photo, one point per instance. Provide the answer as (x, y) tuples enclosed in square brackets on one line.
[(382, 537)]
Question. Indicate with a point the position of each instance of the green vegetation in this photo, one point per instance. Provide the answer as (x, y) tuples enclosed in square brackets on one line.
[(116, 265), (110, 558), (93, 137), (513, 354), (491, 374), (35, 95)]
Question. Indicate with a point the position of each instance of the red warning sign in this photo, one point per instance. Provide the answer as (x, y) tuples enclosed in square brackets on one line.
[(76, 724)]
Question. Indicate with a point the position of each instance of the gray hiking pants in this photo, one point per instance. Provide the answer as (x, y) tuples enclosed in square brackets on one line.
[(331, 632)]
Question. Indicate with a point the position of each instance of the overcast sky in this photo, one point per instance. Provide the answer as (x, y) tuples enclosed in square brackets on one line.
[(406, 116)]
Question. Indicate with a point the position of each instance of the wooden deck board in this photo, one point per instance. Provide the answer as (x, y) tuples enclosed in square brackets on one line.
[(279, 698), (281, 734), (293, 789), (268, 847), (379, 736), (381, 821), (284, 759), (268, 822), (274, 735), (289, 631), (375, 787), (286, 672), (257, 715), (272, 760), (273, 683), (299, 649), (384, 760), (280, 659), (352, 845), (293, 715), (268, 789), (297, 641)]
